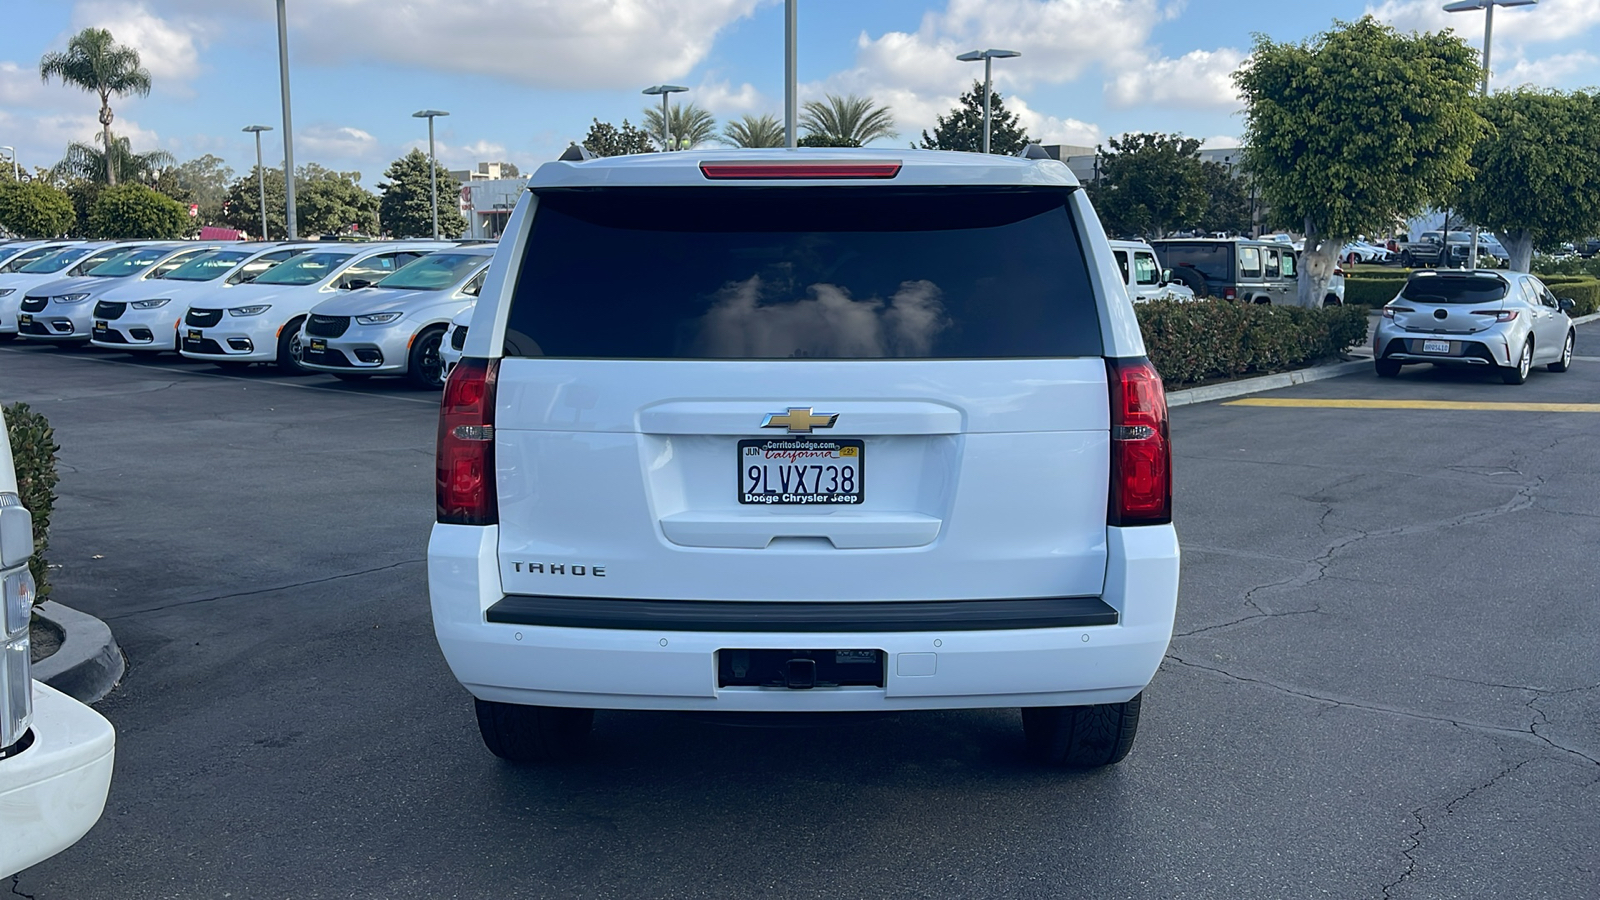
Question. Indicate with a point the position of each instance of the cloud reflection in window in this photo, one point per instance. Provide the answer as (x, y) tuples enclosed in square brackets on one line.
[(826, 324)]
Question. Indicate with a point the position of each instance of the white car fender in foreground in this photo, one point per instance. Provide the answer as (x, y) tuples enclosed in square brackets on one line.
[(52, 793)]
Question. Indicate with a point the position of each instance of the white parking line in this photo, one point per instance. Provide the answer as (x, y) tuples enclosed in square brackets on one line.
[(68, 356)]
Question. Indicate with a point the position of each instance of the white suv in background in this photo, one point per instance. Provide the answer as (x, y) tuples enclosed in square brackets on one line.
[(654, 485), (55, 753), (261, 320)]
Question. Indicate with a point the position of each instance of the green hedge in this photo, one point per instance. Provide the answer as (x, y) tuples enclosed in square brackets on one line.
[(1210, 339), (1371, 291), (33, 450)]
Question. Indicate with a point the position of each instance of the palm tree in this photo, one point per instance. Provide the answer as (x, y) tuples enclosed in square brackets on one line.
[(846, 121), (95, 62), (753, 131), (688, 124), (85, 162)]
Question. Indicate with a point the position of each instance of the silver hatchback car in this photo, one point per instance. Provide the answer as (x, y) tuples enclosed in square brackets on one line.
[(1506, 320)]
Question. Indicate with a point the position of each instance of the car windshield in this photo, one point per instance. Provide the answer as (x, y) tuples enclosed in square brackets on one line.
[(54, 261), (307, 268), (434, 272), (98, 259), (207, 266), (1214, 261), (1454, 289), (818, 273), (128, 263)]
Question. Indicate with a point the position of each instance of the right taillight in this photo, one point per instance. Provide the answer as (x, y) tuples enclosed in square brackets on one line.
[(1141, 454), (464, 473)]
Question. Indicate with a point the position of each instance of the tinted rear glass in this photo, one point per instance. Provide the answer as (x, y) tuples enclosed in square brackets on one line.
[(1214, 261), (761, 273), (1454, 289)]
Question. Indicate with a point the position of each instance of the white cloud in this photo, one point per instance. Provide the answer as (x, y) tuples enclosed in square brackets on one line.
[(1551, 71), (337, 142), (1551, 20), (1198, 78), (1221, 142), (1052, 129), (726, 101), (590, 44), (169, 49)]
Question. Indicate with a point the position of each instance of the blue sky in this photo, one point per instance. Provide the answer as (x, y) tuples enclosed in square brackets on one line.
[(522, 78)]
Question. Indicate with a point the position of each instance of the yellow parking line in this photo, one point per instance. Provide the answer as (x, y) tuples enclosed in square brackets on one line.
[(1309, 403)]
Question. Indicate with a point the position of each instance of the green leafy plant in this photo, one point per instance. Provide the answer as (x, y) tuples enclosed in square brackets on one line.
[(95, 62), (35, 209), (1206, 340), (851, 121), (134, 211), (33, 450), (406, 209), (962, 129)]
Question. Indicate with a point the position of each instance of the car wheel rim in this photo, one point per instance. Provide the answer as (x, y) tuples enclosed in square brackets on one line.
[(1566, 352), (431, 364), (1526, 363), (295, 349)]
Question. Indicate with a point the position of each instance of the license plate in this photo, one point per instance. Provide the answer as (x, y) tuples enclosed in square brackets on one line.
[(1435, 346), (795, 471), (24, 319), (195, 335), (318, 346), (101, 327)]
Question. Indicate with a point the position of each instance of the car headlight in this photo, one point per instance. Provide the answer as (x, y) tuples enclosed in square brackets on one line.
[(249, 310), (382, 318), (149, 304), (6, 292), (70, 298)]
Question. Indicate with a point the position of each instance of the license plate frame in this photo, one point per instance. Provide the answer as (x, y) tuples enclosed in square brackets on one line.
[(25, 319), (318, 345), (195, 334), (760, 450), (1431, 346)]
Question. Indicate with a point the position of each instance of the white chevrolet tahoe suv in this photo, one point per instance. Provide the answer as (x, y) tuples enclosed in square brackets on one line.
[(653, 481)]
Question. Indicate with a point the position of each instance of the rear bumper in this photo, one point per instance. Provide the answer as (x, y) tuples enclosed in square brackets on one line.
[(1483, 349), (936, 665), (52, 793)]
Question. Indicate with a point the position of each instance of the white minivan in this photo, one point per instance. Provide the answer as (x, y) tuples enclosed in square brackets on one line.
[(654, 488)]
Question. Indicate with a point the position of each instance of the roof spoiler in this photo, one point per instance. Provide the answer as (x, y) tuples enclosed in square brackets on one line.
[(577, 152)]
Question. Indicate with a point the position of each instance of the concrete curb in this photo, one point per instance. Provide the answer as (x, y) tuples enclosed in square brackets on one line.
[(1229, 389), (1584, 320), (89, 663)]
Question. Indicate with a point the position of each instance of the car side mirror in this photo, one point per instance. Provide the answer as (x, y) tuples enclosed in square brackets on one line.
[(1566, 304), (356, 284), (1166, 277)]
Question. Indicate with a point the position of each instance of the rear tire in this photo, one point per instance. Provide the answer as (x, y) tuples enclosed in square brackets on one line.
[(424, 367), (1387, 368), (533, 734), (1565, 362), (1518, 373), (1082, 737), (289, 348)]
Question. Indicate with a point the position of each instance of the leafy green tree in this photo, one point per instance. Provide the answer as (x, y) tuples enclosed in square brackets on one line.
[(606, 139), (689, 125), (963, 128), (406, 208), (1227, 205), (1535, 182), (205, 180), (95, 62), (84, 162), (137, 211), (241, 208), (1354, 128), (329, 202), (851, 121), (35, 209), (1150, 184), (753, 131)]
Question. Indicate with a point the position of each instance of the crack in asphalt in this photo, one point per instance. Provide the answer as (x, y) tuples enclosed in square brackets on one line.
[(1410, 853), (16, 888), (269, 590), (1314, 611), (1467, 725)]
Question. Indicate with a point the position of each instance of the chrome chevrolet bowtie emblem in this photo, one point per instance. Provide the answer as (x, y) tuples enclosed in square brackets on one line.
[(799, 420)]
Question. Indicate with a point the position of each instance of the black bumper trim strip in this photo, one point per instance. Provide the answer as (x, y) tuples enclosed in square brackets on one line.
[(811, 617)]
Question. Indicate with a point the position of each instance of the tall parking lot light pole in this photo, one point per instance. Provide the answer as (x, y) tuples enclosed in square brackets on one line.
[(433, 166), (988, 57), (291, 227), (261, 174), (665, 90), (1488, 36), (791, 65)]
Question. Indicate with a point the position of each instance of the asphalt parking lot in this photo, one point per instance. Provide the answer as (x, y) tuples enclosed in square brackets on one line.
[(1386, 681)]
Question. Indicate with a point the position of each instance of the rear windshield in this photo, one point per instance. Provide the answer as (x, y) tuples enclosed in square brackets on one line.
[(813, 273), (56, 261), (307, 268), (1454, 289), (207, 266), (434, 272), (1214, 261)]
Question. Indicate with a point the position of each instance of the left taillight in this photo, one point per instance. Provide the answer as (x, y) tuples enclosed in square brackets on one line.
[(464, 471), (1141, 453)]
